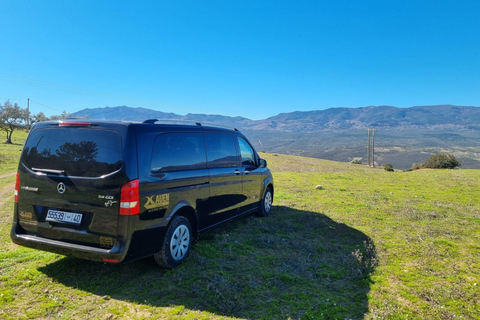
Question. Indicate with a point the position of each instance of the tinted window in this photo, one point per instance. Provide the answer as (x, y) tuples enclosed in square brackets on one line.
[(221, 151), (80, 152), (178, 151), (247, 153)]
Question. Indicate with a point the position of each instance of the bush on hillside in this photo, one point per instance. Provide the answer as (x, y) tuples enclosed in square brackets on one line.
[(416, 166), (387, 167), (438, 161), (441, 161)]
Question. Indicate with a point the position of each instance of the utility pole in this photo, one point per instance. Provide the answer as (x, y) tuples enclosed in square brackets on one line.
[(371, 147), (368, 148), (28, 113)]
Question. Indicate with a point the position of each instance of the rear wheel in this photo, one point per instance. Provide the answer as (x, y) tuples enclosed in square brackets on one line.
[(177, 243), (266, 203)]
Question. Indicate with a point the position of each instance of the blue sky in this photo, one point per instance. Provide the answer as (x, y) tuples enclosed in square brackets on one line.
[(241, 58)]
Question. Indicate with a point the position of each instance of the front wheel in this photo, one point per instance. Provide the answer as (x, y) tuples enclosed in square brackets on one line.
[(177, 243), (266, 203)]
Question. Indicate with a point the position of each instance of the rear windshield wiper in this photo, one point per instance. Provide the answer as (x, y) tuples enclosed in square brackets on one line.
[(59, 172)]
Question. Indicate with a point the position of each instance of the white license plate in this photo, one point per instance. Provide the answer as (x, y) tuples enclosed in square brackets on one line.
[(60, 216)]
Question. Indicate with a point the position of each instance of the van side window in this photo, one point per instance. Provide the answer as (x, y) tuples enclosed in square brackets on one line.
[(178, 151), (221, 151), (248, 155)]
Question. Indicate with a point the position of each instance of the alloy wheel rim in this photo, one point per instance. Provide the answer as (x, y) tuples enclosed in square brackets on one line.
[(180, 242), (268, 201)]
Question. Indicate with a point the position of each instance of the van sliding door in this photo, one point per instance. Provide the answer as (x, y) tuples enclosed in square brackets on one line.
[(226, 197)]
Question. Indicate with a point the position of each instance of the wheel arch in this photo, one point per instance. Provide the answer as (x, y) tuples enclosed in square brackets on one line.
[(189, 213), (268, 183)]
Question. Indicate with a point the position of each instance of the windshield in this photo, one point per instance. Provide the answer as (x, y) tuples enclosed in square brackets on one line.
[(83, 152)]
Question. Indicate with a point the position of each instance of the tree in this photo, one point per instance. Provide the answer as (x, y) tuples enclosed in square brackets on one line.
[(441, 161), (11, 117), (39, 117), (438, 161), (62, 116)]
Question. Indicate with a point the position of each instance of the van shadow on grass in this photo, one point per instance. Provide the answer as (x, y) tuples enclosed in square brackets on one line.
[(294, 263)]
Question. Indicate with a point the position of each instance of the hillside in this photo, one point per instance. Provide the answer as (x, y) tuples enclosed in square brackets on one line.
[(370, 244), (404, 135), (444, 117), (141, 114), (427, 117)]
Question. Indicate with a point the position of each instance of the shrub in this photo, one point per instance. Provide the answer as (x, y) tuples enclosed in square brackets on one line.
[(438, 161), (387, 167), (417, 166), (441, 161)]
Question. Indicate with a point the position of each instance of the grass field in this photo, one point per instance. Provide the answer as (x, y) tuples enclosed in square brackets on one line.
[(9, 153), (370, 244)]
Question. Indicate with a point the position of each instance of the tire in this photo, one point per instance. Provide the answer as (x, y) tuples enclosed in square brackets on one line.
[(177, 243), (266, 203)]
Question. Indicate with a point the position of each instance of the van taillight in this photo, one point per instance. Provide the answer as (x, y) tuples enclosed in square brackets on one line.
[(73, 123), (17, 186), (130, 199)]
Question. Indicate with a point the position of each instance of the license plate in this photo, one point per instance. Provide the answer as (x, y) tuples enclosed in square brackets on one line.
[(60, 216)]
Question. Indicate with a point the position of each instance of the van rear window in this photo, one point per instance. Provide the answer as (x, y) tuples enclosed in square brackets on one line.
[(82, 152)]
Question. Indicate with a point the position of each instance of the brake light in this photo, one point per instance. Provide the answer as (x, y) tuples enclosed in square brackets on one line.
[(110, 260), (73, 123), (130, 199), (17, 187)]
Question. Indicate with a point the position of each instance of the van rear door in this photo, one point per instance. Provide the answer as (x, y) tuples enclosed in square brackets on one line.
[(69, 184)]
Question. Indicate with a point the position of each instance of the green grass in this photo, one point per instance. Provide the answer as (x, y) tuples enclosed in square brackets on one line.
[(371, 244), (10, 153), (424, 224)]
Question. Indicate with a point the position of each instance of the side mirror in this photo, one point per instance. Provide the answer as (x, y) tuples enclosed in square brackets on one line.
[(263, 163)]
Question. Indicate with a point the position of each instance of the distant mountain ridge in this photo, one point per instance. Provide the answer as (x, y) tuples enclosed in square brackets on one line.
[(142, 114), (379, 117), (441, 116), (403, 135)]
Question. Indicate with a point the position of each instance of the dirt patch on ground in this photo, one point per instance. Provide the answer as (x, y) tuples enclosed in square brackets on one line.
[(7, 175), (6, 192)]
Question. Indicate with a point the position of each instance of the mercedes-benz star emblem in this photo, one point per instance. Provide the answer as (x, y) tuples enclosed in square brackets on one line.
[(61, 187)]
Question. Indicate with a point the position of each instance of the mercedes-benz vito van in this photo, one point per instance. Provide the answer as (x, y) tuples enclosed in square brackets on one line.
[(114, 191)]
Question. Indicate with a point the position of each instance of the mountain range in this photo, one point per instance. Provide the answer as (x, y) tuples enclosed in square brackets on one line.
[(403, 136)]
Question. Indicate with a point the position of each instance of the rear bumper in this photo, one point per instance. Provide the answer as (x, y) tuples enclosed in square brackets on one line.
[(115, 255)]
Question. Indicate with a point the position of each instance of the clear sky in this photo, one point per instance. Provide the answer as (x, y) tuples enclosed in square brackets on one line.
[(241, 58)]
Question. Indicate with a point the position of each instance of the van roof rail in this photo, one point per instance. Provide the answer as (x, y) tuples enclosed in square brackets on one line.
[(153, 121)]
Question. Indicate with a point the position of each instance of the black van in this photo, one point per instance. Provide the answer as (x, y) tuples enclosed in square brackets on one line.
[(114, 191)]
